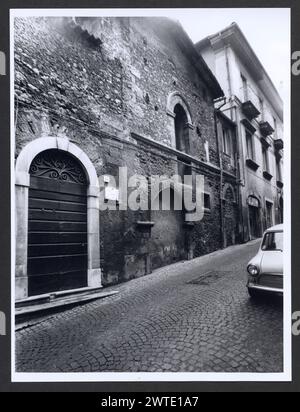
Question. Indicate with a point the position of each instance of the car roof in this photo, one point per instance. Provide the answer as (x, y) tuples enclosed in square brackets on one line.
[(275, 228)]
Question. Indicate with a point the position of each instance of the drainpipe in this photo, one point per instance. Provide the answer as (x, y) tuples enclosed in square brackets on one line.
[(221, 171), (241, 171), (240, 163), (228, 77)]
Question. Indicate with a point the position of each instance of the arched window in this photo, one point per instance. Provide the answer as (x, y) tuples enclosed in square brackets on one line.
[(181, 129), (180, 122)]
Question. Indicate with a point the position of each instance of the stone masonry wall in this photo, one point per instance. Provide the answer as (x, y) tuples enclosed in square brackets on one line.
[(96, 81)]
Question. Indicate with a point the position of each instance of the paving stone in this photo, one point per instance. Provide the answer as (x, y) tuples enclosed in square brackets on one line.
[(169, 326)]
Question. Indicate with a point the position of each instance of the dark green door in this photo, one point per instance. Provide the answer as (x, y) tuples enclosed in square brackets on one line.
[(57, 224)]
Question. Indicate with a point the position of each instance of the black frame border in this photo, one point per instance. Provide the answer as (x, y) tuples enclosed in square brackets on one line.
[(5, 251)]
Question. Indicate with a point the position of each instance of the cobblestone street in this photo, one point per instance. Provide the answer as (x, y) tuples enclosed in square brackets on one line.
[(192, 316)]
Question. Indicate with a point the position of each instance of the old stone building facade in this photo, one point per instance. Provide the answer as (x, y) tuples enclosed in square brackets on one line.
[(254, 105), (96, 94)]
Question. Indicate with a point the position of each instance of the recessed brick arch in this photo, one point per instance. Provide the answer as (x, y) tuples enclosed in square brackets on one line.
[(22, 184), (227, 187), (174, 99)]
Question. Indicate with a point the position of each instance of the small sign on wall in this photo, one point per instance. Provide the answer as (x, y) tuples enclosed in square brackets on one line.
[(111, 194)]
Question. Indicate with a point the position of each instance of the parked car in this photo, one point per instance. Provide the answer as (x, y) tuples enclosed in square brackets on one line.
[(265, 270)]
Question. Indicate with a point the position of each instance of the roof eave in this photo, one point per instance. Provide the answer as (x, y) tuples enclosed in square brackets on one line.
[(234, 37)]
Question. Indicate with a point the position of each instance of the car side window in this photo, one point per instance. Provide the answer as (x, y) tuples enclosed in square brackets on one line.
[(273, 241)]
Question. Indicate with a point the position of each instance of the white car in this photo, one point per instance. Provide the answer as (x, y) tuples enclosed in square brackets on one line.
[(266, 268)]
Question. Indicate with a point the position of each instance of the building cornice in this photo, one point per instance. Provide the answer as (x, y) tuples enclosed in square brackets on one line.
[(170, 150), (233, 37)]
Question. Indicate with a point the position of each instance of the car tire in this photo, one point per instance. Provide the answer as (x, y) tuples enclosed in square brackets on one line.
[(254, 294)]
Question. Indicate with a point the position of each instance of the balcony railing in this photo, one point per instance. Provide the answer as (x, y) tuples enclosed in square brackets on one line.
[(250, 103), (280, 184), (265, 128), (251, 163), (267, 175), (278, 144), (249, 125)]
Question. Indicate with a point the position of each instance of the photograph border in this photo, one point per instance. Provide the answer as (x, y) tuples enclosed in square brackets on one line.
[(286, 376)]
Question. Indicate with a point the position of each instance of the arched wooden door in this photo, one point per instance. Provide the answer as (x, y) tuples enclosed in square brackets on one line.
[(57, 224)]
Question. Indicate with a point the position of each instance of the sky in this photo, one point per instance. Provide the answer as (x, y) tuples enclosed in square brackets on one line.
[(267, 31)]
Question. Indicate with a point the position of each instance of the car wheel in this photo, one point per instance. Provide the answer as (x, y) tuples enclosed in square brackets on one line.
[(254, 294)]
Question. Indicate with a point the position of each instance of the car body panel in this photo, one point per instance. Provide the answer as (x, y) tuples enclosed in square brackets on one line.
[(272, 262)]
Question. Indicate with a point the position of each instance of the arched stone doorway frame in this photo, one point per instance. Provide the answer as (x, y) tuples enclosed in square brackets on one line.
[(252, 194), (22, 184)]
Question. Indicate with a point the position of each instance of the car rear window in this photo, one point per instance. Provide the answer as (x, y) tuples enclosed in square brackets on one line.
[(273, 241)]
